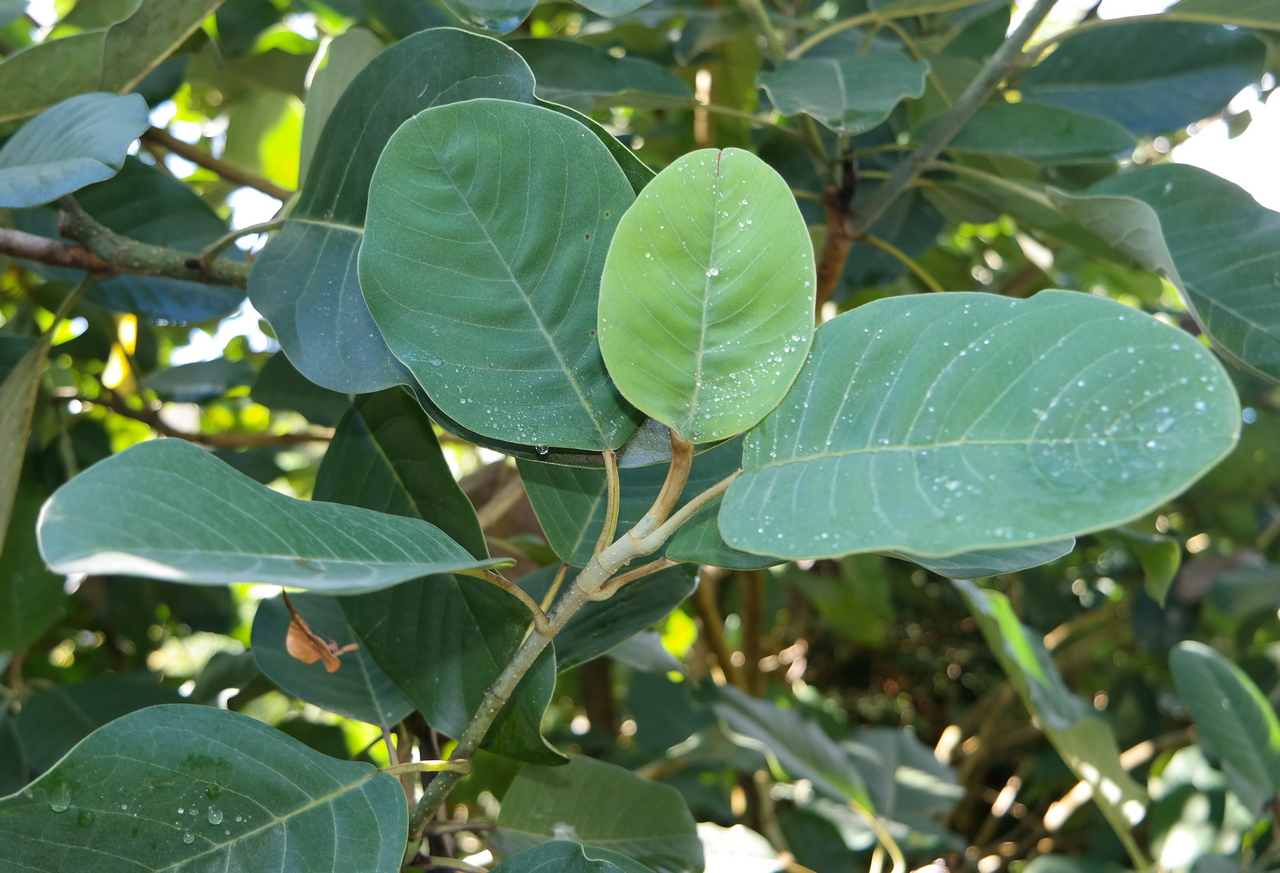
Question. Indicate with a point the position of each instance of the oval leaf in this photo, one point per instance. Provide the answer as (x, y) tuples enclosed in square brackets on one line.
[(304, 282), (193, 787), (1040, 133), (487, 229), (954, 422), (706, 302), (168, 510), (993, 562), (75, 143), (848, 95)]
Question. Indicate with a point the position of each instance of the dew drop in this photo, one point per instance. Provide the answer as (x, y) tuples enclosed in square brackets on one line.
[(215, 815), (542, 450), (60, 800), (188, 837)]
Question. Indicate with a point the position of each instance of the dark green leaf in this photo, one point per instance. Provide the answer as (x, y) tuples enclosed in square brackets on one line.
[(443, 640), (1160, 557), (54, 720), (281, 386), (849, 94), (31, 597), (1246, 591), (494, 16), (359, 689), (600, 805), (14, 770), (561, 856), (168, 510), (239, 23), (21, 364), (1236, 721), (1076, 414), (469, 228), (636, 171), (585, 77), (304, 282), (385, 456), (1083, 739), (79, 141), (1243, 13), (113, 59), (1158, 216), (202, 380), (993, 562), (1041, 133), (181, 787), (1151, 77), (601, 625)]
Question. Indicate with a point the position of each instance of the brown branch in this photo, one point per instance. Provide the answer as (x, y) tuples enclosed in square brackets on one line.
[(227, 440), (230, 172), (19, 244)]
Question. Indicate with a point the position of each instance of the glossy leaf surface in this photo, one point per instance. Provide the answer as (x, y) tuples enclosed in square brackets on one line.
[(358, 689), (847, 94), (189, 787), (112, 59), (168, 510), (480, 264), (1231, 285), (79, 141), (1076, 414), (706, 302), (601, 805), (305, 282), (1152, 77), (993, 562)]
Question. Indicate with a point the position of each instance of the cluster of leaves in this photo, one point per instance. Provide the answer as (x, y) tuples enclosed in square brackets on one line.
[(543, 305)]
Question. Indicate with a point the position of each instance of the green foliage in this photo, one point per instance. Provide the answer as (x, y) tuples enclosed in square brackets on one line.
[(632, 380)]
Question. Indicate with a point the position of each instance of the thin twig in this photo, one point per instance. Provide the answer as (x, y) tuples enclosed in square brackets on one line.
[(218, 246), (677, 476), (830, 31), (228, 171), (454, 827), (708, 612), (550, 597), (883, 835), (903, 258), (225, 440), (539, 617), (607, 590)]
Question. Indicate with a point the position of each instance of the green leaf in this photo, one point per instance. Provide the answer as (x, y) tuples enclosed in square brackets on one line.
[(706, 302), (168, 510), (602, 805), (636, 170), (280, 386), (304, 282), (75, 143), (1041, 133), (1236, 721), (1083, 739), (181, 787), (202, 380), (570, 503), (470, 229), (443, 641), (343, 60), (562, 856), (584, 77), (1243, 13), (1158, 216), (907, 8), (113, 59), (14, 771), (1246, 591), (359, 689), (949, 423), (145, 204), (31, 598), (385, 456), (993, 562), (610, 8), (53, 721), (1150, 77), (600, 625), (848, 94), (495, 16), (21, 365), (792, 740), (1160, 557)]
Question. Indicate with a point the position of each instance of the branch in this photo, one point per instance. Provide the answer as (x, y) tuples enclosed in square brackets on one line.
[(224, 440), (1003, 62), (105, 253), (201, 158)]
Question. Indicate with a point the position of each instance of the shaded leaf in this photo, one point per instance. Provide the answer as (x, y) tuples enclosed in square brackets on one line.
[(1160, 557), (706, 301), (601, 625), (1158, 216), (1244, 13), (21, 364), (31, 598), (79, 141), (494, 16), (343, 60), (168, 510), (1076, 414), (360, 690), (600, 805), (561, 856), (993, 562), (1083, 739), (202, 380), (1150, 77), (584, 77), (304, 282), (469, 228), (1246, 591), (175, 786), (280, 386), (847, 94), (112, 59), (1041, 133)]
